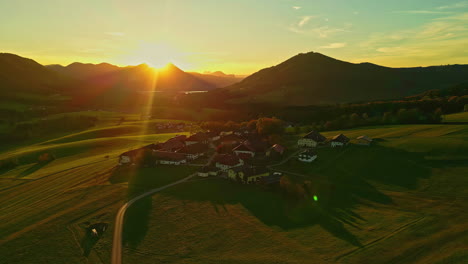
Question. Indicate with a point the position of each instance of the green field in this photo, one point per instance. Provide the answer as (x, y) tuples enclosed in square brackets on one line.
[(46, 207), (402, 200)]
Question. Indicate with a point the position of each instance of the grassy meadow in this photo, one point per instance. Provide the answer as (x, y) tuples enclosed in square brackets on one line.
[(402, 200), (406, 193), (47, 206)]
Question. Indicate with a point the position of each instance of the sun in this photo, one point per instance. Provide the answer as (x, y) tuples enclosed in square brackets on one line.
[(155, 55)]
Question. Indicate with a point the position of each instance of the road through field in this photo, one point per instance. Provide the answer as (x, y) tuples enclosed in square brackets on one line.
[(119, 219)]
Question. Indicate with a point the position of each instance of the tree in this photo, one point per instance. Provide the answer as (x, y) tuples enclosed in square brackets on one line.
[(387, 118), (328, 125), (231, 125), (270, 126), (465, 108), (252, 125)]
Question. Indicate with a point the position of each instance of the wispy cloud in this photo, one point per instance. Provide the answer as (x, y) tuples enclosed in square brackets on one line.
[(335, 45), (441, 40), (297, 7), (304, 20), (454, 6), (426, 12), (115, 34), (320, 31)]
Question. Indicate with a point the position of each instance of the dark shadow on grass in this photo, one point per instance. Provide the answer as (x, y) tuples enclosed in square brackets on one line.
[(136, 222), (33, 168), (348, 184), (91, 238)]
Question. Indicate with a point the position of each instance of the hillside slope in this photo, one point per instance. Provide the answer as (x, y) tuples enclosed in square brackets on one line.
[(313, 78), (18, 74), (218, 79)]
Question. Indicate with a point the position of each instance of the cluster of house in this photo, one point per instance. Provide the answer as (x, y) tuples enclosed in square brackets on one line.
[(171, 126), (237, 165), (243, 147), (229, 167), (174, 151), (314, 139)]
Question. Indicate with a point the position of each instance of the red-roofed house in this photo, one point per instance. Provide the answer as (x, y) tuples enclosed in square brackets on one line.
[(276, 149), (227, 161), (172, 158), (194, 151), (199, 137), (244, 150)]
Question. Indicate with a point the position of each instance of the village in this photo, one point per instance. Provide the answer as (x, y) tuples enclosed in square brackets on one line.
[(242, 155)]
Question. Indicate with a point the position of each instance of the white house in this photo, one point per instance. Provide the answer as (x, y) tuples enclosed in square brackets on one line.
[(307, 156), (208, 171), (170, 158), (244, 149), (339, 141), (194, 151), (364, 140), (311, 139)]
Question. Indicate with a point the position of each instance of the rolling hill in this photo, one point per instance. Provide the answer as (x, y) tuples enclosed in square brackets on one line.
[(313, 78), (139, 78), (18, 74), (218, 79)]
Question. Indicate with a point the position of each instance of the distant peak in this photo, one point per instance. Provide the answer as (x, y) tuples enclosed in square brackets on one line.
[(170, 67)]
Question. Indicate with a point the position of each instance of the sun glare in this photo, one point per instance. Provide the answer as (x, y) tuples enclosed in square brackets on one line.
[(155, 55)]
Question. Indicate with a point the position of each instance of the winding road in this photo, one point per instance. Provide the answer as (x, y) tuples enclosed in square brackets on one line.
[(119, 219)]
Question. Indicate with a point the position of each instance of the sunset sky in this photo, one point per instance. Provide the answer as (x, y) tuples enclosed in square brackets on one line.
[(236, 36)]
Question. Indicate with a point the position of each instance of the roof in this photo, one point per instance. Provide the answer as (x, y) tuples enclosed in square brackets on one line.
[(244, 156), (244, 147), (153, 146), (200, 136), (173, 143), (166, 155), (227, 159), (340, 138), (179, 137), (278, 148), (193, 149), (365, 138), (257, 145), (309, 153), (212, 134), (315, 136), (270, 179)]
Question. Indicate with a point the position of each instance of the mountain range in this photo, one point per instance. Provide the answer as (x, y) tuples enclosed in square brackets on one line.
[(313, 78), (19, 74), (305, 79)]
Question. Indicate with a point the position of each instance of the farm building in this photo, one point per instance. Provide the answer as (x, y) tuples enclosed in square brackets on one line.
[(364, 140), (170, 158), (208, 171), (272, 178), (199, 137), (213, 136), (275, 150), (312, 139), (244, 151), (193, 151), (339, 141), (247, 174), (308, 156), (241, 131), (132, 156), (227, 161), (173, 144)]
